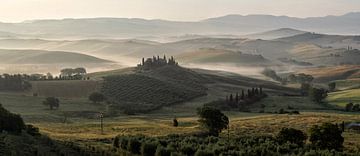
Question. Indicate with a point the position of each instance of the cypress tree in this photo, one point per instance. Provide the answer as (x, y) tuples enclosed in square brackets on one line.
[(242, 95), (237, 98)]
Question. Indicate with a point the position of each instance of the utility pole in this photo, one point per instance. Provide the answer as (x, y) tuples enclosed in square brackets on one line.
[(228, 139), (101, 115)]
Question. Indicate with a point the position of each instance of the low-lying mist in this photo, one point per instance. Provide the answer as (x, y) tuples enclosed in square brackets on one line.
[(54, 68), (233, 68)]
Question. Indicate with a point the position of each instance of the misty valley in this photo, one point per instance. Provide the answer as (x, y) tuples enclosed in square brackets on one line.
[(256, 85)]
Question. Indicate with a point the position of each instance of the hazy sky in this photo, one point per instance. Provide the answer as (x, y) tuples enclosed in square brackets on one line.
[(184, 10)]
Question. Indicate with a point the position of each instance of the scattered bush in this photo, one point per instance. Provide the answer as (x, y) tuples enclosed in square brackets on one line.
[(175, 122), (148, 148), (291, 135), (96, 97), (327, 136), (134, 146)]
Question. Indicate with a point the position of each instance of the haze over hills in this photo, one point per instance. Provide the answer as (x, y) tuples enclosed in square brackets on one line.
[(336, 41), (274, 34), (308, 47), (46, 57), (137, 28), (220, 56)]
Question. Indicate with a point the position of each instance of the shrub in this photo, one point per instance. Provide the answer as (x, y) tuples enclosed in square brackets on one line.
[(349, 107), (327, 136), (291, 135), (124, 143), (175, 122), (204, 153), (134, 146), (188, 149), (32, 130), (161, 151), (96, 97), (148, 149), (52, 102), (116, 142)]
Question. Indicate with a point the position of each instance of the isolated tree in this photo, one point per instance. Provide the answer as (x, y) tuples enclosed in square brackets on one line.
[(242, 95), (326, 136), (96, 97), (291, 135), (332, 86), (305, 88), (318, 94), (213, 120), (52, 102), (231, 98), (356, 108), (349, 107), (175, 122)]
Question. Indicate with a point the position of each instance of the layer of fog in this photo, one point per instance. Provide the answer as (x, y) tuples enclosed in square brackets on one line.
[(254, 72), (54, 68)]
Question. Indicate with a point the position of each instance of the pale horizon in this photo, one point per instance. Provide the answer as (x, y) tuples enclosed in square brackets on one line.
[(14, 11)]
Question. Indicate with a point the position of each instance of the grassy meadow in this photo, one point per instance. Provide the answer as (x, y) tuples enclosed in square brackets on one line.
[(82, 124), (341, 98)]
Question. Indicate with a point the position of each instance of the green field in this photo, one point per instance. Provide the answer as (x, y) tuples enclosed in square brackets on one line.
[(341, 98)]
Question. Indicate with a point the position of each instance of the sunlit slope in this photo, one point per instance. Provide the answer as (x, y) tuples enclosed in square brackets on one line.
[(341, 98), (211, 55), (331, 73), (325, 55)]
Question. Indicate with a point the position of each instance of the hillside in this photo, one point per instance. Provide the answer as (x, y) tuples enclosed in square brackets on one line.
[(139, 90), (46, 57), (324, 40), (327, 74), (220, 56), (144, 91), (324, 55), (274, 34)]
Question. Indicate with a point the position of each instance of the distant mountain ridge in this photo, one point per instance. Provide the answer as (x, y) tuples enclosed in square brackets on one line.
[(132, 28)]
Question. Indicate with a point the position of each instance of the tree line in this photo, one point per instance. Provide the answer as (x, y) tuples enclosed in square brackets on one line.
[(15, 82), (239, 101), (156, 62), (324, 139), (291, 78)]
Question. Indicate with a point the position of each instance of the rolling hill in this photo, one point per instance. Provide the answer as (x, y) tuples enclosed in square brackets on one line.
[(46, 57), (307, 47), (136, 90), (220, 56), (324, 40), (332, 73), (274, 34)]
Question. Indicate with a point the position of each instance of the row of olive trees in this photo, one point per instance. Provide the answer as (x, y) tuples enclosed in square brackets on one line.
[(326, 136)]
